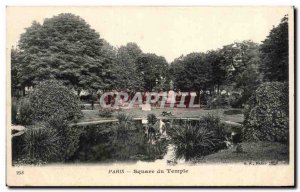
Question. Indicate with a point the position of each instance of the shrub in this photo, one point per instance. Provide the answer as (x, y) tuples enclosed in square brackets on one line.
[(105, 112), (124, 118), (151, 119), (69, 135), (236, 100), (52, 100), (26, 112), (218, 101), (192, 141), (71, 139), (123, 126), (14, 111), (28, 161), (214, 124), (17, 144), (54, 141), (196, 140), (267, 114), (41, 143)]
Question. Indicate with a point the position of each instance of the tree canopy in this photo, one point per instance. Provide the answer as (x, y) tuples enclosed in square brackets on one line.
[(64, 47), (126, 74), (275, 53), (154, 70)]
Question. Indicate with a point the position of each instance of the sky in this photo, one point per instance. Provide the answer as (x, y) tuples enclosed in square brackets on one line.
[(165, 31)]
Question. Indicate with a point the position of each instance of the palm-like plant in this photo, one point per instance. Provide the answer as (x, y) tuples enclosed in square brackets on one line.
[(197, 139), (123, 126), (42, 143)]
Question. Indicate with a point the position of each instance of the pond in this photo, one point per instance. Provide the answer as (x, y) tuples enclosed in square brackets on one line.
[(105, 143), (131, 141)]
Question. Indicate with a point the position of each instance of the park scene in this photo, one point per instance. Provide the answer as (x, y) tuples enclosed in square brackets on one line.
[(76, 98)]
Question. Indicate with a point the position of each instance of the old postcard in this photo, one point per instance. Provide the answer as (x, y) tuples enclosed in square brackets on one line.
[(150, 96)]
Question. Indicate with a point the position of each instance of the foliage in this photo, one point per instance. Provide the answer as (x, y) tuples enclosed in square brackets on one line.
[(126, 61), (214, 123), (275, 53), (197, 140), (52, 100), (152, 119), (105, 112), (14, 110), (235, 65), (237, 100), (218, 102), (62, 47), (26, 112), (42, 143), (28, 161), (100, 143), (123, 126), (69, 135), (166, 113), (123, 118), (191, 72), (15, 74), (267, 116), (55, 106), (154, 70)]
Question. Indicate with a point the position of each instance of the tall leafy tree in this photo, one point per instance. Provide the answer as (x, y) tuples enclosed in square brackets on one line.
[(177, 74), (275, 53), (15, 77), (64, 47), (126, 73), (192, 72), (218, 69), (154, 70)]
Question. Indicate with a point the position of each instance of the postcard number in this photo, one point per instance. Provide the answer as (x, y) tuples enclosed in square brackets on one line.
[(20, 172)]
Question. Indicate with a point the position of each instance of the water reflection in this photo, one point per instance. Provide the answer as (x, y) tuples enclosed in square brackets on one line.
[(112, 142)]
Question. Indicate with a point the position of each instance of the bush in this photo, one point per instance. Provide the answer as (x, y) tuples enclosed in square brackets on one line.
[(14, 110), (124, 118), (26, 112), (41, 143), (267, 114), (151, 119), (105, 112), (124, 125), (214, 124), (236, 100), (196, 140), (218, 102), (70, 137), (52, 100)]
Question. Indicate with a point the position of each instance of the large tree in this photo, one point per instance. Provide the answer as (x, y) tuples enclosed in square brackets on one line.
[(192, 72), (275, 53), (242, 61), (154, 70), (218, 70), (64, 47), (126, 73)]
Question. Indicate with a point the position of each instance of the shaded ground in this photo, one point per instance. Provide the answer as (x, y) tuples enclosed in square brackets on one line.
[(253, 153), (92, 115)]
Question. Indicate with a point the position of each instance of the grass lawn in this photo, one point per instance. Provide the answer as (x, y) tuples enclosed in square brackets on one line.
[(253, 152), (92, 115)]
